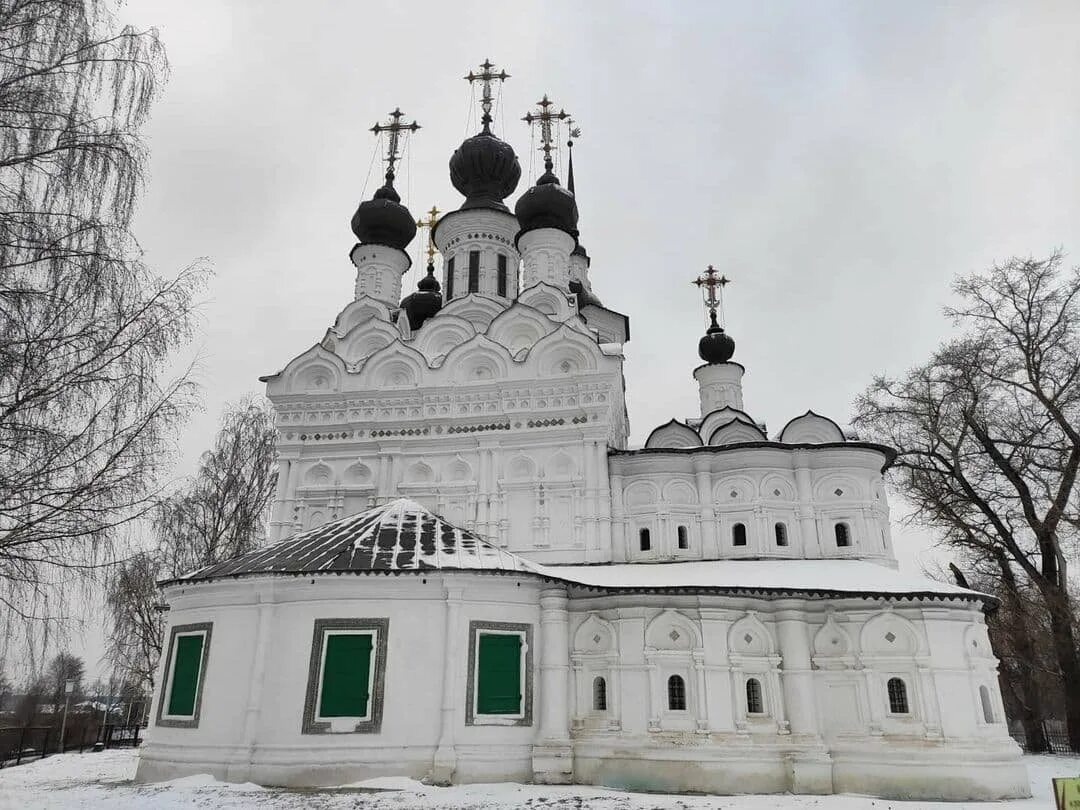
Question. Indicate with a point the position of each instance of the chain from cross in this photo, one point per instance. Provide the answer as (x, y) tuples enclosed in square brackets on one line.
[(711, 282), (395, 127), (429, 223), (546, 118), (486, 76)]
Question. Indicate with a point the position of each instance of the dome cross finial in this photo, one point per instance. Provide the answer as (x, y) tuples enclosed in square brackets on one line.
[(486, 77), (546, 118), (394, 127), (429, 223), (712, 283)]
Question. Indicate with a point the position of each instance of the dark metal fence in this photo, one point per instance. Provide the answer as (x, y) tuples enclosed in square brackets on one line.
[(18, 745), (1056, 738)]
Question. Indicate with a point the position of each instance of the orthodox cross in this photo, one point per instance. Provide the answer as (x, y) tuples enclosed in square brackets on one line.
[(395, 127), (486, 76), (711, 283), (429, 223), (545, 117)]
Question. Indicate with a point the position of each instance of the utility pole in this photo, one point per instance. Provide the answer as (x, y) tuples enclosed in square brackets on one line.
[(69, 687)]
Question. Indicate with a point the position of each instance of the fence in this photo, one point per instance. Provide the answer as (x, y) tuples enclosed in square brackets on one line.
[(18, 745), (1056, 738)]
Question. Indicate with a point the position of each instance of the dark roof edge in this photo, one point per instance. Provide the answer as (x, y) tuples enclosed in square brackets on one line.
[(728, 590), (889, 453)]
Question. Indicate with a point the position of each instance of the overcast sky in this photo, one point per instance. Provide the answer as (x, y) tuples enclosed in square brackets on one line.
[(841, 162)]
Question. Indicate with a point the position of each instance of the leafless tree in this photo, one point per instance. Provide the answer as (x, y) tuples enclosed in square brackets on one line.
[(64, 667), (88, 335), (988, 433), (217, 515)]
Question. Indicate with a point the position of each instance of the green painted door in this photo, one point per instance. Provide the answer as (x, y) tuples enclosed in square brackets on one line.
[(346, 673), (498, 682), (185, 680)]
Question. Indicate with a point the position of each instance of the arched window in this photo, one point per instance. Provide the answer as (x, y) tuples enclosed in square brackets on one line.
[(449, 278), (599, 695), (676, 693), (843, 535), (738, 534), (644, 539), (474, 270), (684, 539), (755, 704), (781, 534), (987, 706), (898, 702), (501, 277)]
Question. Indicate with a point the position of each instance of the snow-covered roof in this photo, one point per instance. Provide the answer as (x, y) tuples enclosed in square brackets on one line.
[(403, 536), (400, 536), (819, 577)]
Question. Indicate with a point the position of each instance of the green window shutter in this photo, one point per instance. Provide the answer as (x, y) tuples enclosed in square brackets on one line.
[(185, 680), (498, 668), (345, 675)]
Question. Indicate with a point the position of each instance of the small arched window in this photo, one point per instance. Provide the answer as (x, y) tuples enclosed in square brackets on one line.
[(781, 534), (644, 540), (684, 538), (599, 695), (898, 701), (501, 277), (676, 693), (738, 534), (843, 535), (755, 703), (987, 706)]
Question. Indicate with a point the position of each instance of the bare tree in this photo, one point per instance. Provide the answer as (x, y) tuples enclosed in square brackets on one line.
[(988, 433), (64, 667), (87, 333), (219, 514)]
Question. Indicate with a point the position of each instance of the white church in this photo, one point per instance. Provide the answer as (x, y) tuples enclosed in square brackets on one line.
[(475, 579)]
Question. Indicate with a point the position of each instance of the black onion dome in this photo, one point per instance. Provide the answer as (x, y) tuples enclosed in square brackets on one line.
[(547, 205), (716, 346), (425, 302), (486, 171), (383, 220)]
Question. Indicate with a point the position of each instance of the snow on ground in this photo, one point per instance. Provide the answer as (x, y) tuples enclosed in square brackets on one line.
[(104, 780)]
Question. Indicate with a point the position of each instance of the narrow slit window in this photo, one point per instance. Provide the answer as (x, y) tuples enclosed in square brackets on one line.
[(755, 703), (501, 278), (683, 537), (898, 698), (450, 278), (498, 668), (474, 270), (676, 693), (644, 540), (987, 706), (738, 534), (599, 695), (781, 534), (843, 535)]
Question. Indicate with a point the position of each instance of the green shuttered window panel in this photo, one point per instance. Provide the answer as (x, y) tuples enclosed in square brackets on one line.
[(498, 674), (185, 680), (346, 675)]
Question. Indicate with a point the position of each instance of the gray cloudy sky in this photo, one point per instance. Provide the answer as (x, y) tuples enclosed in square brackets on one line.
[(840, 161)]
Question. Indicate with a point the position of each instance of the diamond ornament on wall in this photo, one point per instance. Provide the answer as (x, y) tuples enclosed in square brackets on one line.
[(890, 637), (674, 635)]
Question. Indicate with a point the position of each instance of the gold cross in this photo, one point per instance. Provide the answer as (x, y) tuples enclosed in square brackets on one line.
[(429, 223), (709, 283)]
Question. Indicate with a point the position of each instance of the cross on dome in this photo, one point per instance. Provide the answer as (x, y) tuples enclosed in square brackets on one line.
[(712, 283), (395, 127), (486, 77), (546, 117), (429, 223)]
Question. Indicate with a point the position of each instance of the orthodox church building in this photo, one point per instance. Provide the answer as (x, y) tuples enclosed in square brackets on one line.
[(475, 578)]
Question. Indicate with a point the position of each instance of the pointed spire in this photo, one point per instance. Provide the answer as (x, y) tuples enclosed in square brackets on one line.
[(575, 132)]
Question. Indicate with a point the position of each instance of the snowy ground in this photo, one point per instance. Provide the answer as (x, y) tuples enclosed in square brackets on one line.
[(104, 780)]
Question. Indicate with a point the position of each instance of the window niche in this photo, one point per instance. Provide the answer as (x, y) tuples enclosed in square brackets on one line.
[(501, 276), (676, 694), (449, 279), (644, 540), (346, 674), (738, 534), (987, 704), (499, 688), (683, 538), (180, 703), (842, 533), (755, 698), (474, 271), (599, 694), (780, 531), (898, 696)]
